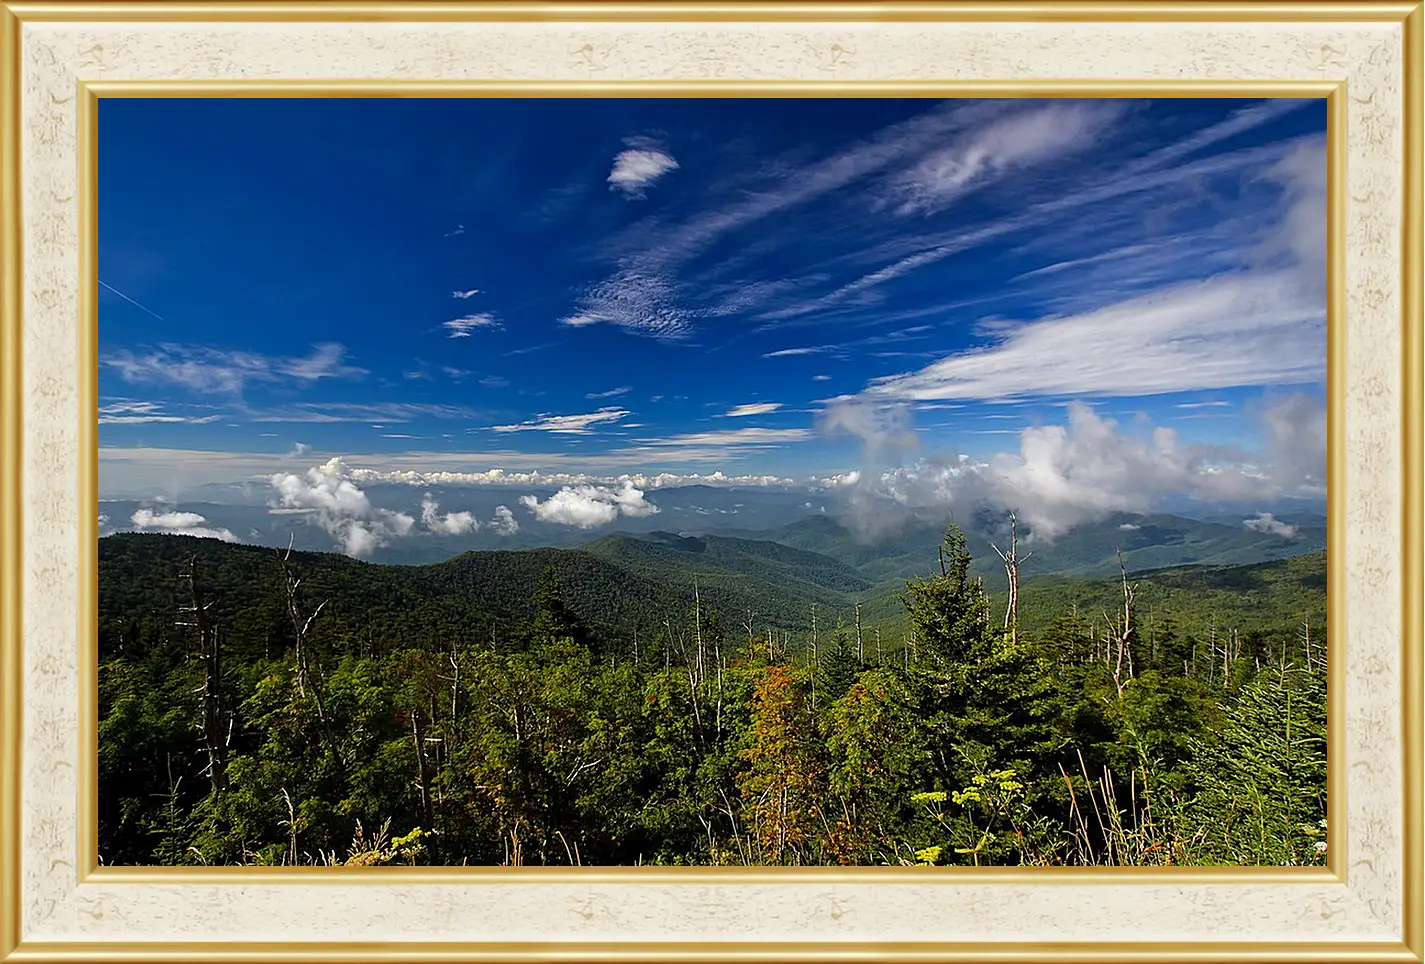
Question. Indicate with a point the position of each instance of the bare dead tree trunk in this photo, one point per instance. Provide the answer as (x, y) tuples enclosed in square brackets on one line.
[(717, 659), (418, 737), (1012, 562), (860, 650), (698, 628), (813, 656), (454, 683), (1227, 659), (301, 627), (1126, 630), (214, 723)]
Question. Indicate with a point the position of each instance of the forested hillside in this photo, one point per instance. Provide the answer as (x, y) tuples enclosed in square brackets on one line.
[(697, 700), (898, 551)]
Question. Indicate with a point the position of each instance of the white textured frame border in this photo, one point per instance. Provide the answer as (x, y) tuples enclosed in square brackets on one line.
[(1366, 914)]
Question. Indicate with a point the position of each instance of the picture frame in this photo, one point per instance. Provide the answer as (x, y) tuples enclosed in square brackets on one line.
[(60, 58)]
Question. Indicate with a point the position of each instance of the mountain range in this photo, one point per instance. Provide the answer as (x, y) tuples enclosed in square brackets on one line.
[(815, 571)]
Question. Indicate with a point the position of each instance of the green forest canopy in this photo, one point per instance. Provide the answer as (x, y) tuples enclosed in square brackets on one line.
[(668, 702)]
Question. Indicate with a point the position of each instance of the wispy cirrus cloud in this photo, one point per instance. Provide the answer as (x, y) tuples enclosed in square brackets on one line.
[(611, 393), (921, 165), (528, 349), (357, 412), (807, 350), (221, 371), (751, 408), (1180, 339), (846, 348), (803, 183), (644, 293), (1027, 136), (643, 300), (732, 437), (1253, 326), (566, 424), (1117, 254), (463, 327), (424, 372), (905, 253), (718, 447), (462, 295), (126, 411)]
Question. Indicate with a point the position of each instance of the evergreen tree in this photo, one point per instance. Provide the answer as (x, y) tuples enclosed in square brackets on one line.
[(839, 666), (986, 698), (1260, 777), (554, 619)]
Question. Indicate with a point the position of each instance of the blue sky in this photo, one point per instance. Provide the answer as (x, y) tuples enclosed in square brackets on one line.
[(784, 288)]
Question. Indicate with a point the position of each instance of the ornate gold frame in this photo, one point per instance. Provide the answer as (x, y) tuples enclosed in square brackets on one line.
[(13, 17)]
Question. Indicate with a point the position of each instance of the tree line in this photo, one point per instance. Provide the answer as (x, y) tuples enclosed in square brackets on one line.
[(707, 740)]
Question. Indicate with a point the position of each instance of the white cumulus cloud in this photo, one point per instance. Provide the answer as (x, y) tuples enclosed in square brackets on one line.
[(1065, 475), (1270, 524), (504, 522), (589, 506), (452, 523), (338, 506), (462, 523), (176, 523), (636, 169)]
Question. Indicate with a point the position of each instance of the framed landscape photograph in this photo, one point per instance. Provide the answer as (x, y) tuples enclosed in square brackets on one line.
[(695, 481)]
